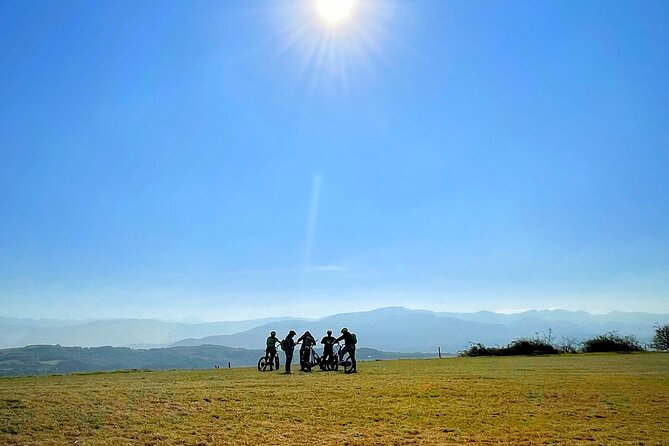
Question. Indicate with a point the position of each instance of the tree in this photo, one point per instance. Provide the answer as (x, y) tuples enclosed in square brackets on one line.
[(568, 345), (661, 339), (612, 342)]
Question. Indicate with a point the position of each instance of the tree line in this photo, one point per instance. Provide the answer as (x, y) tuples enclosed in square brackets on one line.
[(544, 344)]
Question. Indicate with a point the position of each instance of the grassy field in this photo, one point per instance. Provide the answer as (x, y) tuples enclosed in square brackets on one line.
[(579, 399)]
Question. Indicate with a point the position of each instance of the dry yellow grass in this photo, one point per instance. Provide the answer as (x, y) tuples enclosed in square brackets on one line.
[(597, 399)]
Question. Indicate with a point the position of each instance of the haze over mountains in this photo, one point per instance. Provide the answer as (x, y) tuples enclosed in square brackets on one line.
[(394, 329), (136, 333)]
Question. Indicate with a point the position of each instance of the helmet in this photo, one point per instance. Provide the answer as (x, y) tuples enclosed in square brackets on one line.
[(344, 330), (329, 332), (273, 333), (292, 332), (307, 332)]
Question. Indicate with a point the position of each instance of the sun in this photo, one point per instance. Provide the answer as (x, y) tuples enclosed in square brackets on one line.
[(334, 10)]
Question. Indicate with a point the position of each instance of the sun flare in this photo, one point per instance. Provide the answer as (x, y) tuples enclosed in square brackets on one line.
[(338, 44), (334, 10)]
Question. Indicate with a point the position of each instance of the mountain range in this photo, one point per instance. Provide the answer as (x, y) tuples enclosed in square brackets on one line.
[(135, 333), (394, 329)]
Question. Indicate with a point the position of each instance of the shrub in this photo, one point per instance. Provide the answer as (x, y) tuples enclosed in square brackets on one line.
[(661, 339), (479, 349), (530, 346), (522, 346), (612, 342)]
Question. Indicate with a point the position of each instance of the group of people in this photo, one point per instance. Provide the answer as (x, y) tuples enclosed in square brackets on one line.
[(307, 341)]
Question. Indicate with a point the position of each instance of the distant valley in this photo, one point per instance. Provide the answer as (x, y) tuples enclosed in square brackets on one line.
[(55, 359)]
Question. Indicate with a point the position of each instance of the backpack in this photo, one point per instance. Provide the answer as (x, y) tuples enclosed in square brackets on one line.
[(287, 345), (354, 338)]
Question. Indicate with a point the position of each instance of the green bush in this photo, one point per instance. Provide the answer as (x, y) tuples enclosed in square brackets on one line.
[(479, 349), (612, 342), (661, 339), (542, 345), (530, 346), (522, 346)]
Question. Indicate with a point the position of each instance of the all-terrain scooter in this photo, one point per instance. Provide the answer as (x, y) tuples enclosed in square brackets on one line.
[(309, 359), (344, 359)]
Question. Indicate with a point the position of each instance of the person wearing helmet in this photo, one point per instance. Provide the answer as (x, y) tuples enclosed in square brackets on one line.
[(349, 346), (288, 346), (307, 341), (328, 347), (270, 350)]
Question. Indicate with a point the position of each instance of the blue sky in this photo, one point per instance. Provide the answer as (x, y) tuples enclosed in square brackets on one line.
[(234, 159)]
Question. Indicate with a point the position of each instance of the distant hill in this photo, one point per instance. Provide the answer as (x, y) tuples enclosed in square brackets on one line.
[(387, 329), (139, 333), (54, 359), (403, 330), (395, 329)]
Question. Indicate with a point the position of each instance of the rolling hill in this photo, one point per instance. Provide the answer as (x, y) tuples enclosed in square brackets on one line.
[(55, 359)]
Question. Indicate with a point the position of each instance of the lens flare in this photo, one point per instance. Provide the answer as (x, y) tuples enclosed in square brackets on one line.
[(334, 10)]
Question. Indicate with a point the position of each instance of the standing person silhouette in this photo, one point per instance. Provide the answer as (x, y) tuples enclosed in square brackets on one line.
[(288, 346), (328, 347), (307, 341), (270, 350), (349, 346)]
